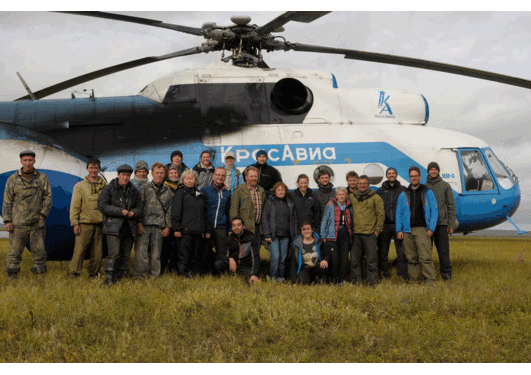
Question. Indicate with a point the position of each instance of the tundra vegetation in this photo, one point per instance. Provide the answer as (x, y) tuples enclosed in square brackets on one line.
[(483, 315)]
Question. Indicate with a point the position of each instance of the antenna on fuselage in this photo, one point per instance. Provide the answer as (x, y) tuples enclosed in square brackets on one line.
[(26, 87)]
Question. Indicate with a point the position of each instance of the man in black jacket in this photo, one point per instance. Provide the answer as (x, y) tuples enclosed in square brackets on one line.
[(121, 206), (268, 176), (324, 194), (389, 192), (243, 250)]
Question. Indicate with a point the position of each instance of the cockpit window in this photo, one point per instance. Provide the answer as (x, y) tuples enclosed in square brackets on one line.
[(477, 177), (500, 172)]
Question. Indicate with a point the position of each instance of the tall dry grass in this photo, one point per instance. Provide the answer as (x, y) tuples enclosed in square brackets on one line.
[(481, 316)]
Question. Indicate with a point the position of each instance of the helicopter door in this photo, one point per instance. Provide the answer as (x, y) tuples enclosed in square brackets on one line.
[(450, 170), (476, 178)]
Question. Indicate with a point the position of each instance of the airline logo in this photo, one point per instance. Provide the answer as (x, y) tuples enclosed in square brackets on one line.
[(384, 107)]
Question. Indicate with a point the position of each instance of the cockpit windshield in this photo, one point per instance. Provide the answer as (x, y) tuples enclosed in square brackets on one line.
[(477, 177), (504, 178)]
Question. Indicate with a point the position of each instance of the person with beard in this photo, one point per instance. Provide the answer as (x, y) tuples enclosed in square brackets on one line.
[(268, 175), (446, 223), (325, 194), (243, 251), (369, 217), (416, 219), (389, 192), (306, 205), (189, 224), (352, 182), (204, 170), (141, 174)]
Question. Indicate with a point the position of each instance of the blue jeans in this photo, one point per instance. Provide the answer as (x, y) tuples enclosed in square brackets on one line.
[(278, 249)]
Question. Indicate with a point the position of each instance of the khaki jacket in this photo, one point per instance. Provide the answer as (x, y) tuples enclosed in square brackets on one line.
[(25, 200), (84, 205), (242, 205), (368, 212)]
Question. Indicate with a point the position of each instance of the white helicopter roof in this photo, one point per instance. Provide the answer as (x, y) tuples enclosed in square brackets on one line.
[(331, 104)]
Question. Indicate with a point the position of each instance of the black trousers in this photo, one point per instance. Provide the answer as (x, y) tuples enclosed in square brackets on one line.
[(188, 252), (309, 275), (205, 263), (442, 242), (384, 241), (338, 251), (365, 242), (168, 252)]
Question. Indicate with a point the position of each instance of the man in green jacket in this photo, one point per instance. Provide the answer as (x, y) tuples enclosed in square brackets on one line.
[(87, 221), (27, 203), (447, 223), (248, 202), (369, 217)]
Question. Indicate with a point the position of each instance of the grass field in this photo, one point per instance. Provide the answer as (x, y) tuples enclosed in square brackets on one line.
[(483, 315)]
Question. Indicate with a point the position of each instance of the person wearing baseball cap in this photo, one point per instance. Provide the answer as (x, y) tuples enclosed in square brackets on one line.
[(121, 206), (27, 204), (234, 176)]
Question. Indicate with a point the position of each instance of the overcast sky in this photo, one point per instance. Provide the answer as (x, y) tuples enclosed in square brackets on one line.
[(47, 48)]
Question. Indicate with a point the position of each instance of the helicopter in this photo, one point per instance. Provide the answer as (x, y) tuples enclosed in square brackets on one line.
[(302, 118)]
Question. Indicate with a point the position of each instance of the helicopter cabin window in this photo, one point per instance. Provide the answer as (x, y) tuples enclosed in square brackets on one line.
[(477, 177), (500, 172)]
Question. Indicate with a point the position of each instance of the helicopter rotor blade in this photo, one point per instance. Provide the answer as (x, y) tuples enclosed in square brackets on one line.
[(413, 63), (142, 21), (301, 16), (107, 71)]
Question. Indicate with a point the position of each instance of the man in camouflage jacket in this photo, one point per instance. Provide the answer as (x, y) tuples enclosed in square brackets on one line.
[(27, 203), (155, 223)]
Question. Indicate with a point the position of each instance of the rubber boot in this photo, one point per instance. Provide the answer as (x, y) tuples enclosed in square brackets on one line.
[(109, 278), (11, 276)]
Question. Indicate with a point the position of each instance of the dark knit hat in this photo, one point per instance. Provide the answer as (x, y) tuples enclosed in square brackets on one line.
[(260, 153), (27, 153), (391, 169), (174, 153), (433, 164), (141, 164), (93, 161), (125, 168)]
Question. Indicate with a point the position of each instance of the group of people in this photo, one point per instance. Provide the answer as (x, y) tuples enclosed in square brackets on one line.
[(208, 220)]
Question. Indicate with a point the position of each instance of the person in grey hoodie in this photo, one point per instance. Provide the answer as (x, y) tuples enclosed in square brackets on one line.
[(141, 174), (446, 223)]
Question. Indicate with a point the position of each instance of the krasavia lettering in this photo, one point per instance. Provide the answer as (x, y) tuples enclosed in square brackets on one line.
[(289, 153)]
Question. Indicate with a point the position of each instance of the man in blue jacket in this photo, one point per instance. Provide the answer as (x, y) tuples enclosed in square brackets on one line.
[(416, 219), (217, 200)]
